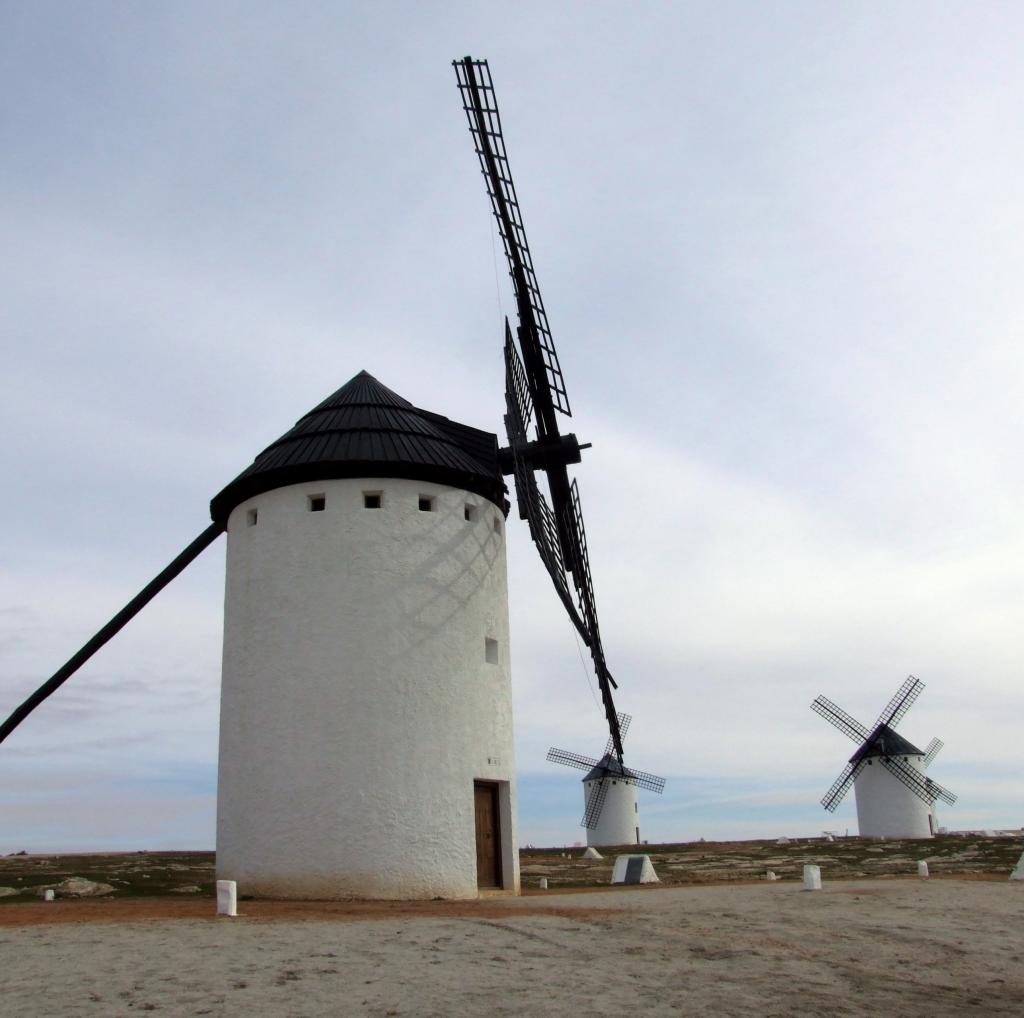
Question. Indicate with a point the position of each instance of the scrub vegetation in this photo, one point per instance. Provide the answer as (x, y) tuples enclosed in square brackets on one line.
[(154, 874), (715, 862)]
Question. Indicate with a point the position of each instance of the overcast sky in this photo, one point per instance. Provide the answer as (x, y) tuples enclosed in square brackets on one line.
[(781, 248)]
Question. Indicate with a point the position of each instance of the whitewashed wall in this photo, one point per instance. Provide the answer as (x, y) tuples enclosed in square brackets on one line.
[(358, 706), (886, 807), (620, 815)]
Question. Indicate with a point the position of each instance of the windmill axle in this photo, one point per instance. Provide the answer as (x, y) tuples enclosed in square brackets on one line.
[(543, 454)]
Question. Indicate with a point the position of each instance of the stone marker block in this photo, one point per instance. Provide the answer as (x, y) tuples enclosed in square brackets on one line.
[(227, 897), (634, 869), (922, 868), (812, 878), (48, 894), (771, 875), (543, 883)]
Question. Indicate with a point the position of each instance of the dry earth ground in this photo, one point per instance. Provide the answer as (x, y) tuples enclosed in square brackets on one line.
[(947, 947), (727, 945)]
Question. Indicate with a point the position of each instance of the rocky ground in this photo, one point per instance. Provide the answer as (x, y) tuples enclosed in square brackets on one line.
[(145, 874), (119, 875)]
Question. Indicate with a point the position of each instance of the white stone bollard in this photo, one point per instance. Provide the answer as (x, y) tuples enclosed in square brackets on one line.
[(812, 878), (227, 897), (543, 883), (771, 875), (634, 869), (922, 868), (1018, 873), (48, 895)]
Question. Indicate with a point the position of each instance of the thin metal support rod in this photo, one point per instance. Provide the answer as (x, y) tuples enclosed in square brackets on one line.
[(114, 626)]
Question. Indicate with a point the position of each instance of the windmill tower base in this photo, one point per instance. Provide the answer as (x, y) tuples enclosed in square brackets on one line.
[(886, 808), (366, 713), (619, 822)]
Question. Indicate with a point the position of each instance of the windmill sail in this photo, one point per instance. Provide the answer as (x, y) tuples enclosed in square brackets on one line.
[(837, 716), (536, 394), (480, 104), (831, 799), (902, 700)]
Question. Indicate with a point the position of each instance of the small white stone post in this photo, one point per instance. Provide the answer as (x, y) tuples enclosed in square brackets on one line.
[(543, 883), (48, 894), (812, 877), (227, 897), (922, 868)]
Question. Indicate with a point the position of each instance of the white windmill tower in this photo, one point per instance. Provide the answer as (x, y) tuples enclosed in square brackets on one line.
[(366, 715), (611, 813), (895, 799)]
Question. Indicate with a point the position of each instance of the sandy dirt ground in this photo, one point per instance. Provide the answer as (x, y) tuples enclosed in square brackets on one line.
[(879, 948)]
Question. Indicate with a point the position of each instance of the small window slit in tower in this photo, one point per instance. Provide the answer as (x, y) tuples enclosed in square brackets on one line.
[(426, 504), (490, 651), (470, 512), (372, 500), (317, 503), (252, 517)]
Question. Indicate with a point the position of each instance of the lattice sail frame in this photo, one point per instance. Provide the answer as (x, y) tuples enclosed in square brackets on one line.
[(902, 700), (533, 506), (535, 392), (483, 117), (847, 724), (596, 797), (831, 799), (932, 751), (924, 788)]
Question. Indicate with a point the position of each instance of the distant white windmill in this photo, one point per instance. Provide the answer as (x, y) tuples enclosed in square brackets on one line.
[(895, 799), (611, 814)]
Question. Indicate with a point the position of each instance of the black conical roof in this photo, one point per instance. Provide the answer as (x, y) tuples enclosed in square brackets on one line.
[(607, 767), (883, 741), (366, 430)]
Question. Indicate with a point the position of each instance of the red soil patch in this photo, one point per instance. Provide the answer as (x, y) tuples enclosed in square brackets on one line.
[(129, 910)]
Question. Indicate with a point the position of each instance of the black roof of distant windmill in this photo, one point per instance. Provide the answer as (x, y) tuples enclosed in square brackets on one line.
[(881, 742), (606, 770), (535, 395)]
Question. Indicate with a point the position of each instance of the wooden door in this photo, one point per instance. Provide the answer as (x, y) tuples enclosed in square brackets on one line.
[(488, 842)]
